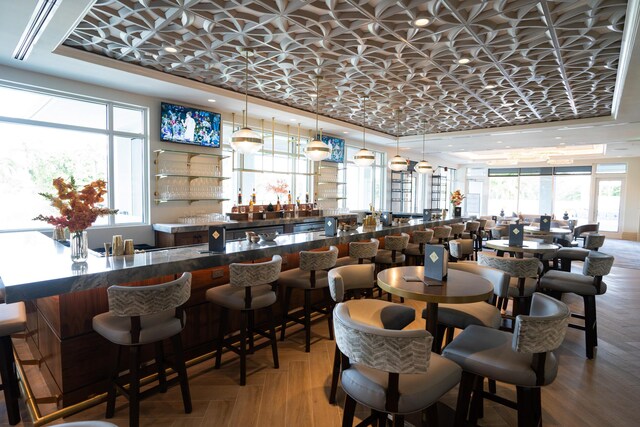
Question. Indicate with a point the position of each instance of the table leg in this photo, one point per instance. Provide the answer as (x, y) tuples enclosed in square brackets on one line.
[(432, 323)]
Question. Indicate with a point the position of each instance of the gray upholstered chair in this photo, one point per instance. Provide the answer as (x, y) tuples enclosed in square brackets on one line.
[(524, 273), (471, 229), (360, 253), (13, 319), (588, 285), (393, 252), (415, 250), (461, 249), (581, 231), (566, 255), (524, 359), (251, 287), (594, 241), (441, 234), (310, 276), (389, 371), (140, 315), (456, 230), (499, 231), (380, 314), (486, 314)]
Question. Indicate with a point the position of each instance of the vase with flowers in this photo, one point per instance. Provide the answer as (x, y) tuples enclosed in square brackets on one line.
[(456, 200), (78, 209)]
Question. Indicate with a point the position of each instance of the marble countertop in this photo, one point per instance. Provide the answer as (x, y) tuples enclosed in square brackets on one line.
[(234, 225), (35, 266)]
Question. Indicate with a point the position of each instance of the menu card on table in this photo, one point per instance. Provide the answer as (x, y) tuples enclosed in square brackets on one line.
[(545, 223), (436, 259), (330, 226), (386, 219), (217, 238), (516, 235)]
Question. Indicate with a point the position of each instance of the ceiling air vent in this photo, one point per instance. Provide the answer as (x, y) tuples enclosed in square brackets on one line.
[(39, 20)]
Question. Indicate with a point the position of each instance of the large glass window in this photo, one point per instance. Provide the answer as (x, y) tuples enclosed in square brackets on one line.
[(365, 185), (46, 135), (503, 195), (571, 196)]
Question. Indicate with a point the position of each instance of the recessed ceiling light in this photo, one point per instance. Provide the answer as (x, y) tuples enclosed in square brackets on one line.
[(170, 49), (346, 133), (211, 100), (490, 86), (292, 120), (562, 143), (507, 146), (498, 142), (558, 137), (449, 145), (463, 61), (421, 22)]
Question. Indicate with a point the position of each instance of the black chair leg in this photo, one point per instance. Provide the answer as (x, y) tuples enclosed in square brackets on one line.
[(251, 319), (477, 401), (181, 370), (527, 409), (134, 386), (285, 311), (162, 377), (335, 376), (590, 324), (222, 330), (327, 297), (307, 320), (464, 399), (9, 379), (349, 412), (272, 337), (243, 347), (398, 420), (111, 391)]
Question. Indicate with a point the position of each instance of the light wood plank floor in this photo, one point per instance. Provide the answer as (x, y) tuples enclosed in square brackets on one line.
[(600, 392)]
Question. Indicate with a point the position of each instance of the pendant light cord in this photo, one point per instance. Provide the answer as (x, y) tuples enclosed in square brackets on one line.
[(317, 101), (246, 88), (364, 117), (424, 135)]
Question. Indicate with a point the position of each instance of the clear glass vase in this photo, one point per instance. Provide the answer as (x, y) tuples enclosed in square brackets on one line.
[(79, 244)]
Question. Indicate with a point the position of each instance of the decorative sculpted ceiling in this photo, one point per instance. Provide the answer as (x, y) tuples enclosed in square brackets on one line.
[(530, 61)]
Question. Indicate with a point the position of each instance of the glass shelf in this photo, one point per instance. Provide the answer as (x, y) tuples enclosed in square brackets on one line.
[(191, 153), (332, 198), (275, 172), (326, 182), (198, 199), (173, 175)]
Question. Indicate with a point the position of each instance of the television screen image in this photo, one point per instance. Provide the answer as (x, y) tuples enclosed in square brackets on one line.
[(337, 148), (188, 125)]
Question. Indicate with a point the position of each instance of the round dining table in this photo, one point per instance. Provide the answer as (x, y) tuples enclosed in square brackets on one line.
[(553, 231), (460, 287), (528, 247)]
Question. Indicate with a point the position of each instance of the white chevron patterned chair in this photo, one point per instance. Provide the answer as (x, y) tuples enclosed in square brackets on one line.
[(441, 234), (588, 285), (415, 250), (389, 371), (382, 314), (360, 253), (456, 230), (523, 358), (251, 287), (311, 276), (140, 315)]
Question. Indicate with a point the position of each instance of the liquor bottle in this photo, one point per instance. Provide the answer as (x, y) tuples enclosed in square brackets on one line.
[(239, 196), (234, 209), (306, 198), (278, 206), (298, 201), (289, 198), (253, 196)]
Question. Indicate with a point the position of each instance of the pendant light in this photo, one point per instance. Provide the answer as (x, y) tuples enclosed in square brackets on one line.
[(317, 150), (423, 166), (364, 157), (246, 141), (398, 163)]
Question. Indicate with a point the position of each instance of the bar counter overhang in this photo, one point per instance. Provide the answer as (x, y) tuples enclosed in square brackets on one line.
[(62, 298)]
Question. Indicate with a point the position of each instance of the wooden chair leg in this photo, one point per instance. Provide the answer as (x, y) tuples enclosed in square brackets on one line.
[(162, 377), (398, 420), (251, 327), (307, 320), (449, 335), (431, 415), (285, 311), (348, 412), (243, 347), (327, 297), (464, 398), (181, 370), (9, 379), (111, 391), (477, 401), (222, 330), (335, 376), (134, 386), (272, 337)]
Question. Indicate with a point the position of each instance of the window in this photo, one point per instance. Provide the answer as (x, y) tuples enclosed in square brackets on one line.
[(46, 135), (611, 168), (571, 195), (366, 185)]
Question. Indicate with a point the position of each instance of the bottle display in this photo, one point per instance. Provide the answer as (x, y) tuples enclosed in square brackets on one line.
[(289, 198), (253, 196), (306, 198), (239, 196), (278, 206)]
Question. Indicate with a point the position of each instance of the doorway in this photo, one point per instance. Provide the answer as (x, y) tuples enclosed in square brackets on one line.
[(607, 203)]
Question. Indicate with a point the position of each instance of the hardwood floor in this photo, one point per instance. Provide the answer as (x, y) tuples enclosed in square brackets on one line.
[(598, 392)]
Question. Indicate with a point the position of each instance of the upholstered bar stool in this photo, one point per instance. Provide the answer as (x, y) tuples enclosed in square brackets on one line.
[(594, 241), (392, 255), (581, 231), (140, 315), (389, 371), (461, 249), (441, 234), (456, 230), (415, 250), (588, 285), (524, 359), (524, 273), (360, 253), (249, 289), (13, 319), (310, 276), (566, 255), (374, 312)]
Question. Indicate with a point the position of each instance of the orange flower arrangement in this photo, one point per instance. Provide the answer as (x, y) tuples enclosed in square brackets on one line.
[(456, 198), (280, 187), (77, 208)]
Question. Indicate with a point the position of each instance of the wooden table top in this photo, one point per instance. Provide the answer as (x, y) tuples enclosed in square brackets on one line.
[(528, 246), (552, 231), (459, 288)]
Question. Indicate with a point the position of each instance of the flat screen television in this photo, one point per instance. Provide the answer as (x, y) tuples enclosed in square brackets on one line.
[(186, 125), (337, 148)]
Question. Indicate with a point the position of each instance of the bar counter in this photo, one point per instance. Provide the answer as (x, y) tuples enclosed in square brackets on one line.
[(62, 298)]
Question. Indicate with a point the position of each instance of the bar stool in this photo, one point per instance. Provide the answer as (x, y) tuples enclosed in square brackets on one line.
[(472, 231), (594, 241), (441, 234), (461, 249), (310, 276), (415, 250), (250, 288), (360, 253), (456, 230), (13, 319), (140, 315)]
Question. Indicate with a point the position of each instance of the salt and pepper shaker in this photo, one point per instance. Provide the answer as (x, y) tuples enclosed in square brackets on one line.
[(128, 247), (117, 245)]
